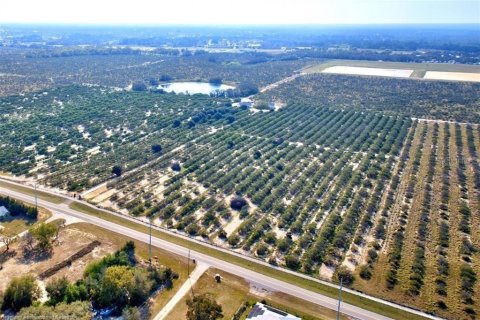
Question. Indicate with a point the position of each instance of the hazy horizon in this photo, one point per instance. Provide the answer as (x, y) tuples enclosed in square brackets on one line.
[(247, 12)]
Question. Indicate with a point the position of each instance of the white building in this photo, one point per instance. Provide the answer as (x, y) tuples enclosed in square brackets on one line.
[(246, 102), (264, 312), (4, 212)]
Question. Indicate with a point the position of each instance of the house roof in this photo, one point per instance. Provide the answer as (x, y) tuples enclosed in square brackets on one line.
[(3, 211), (264, 312)]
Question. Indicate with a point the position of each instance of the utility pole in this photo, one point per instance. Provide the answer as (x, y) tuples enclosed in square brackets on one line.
[(188, 272), (188, 264), (150, 244), (339, 298), (36, 201)]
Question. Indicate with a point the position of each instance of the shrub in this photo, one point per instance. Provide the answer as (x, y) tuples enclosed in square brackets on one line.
[(237, 203), (175, 166), (139, 86), (292, 262), (20, 293), (156, 148), (345, 275), (117, 170), (365, 272), (203, 307), (233, 240), (262, 249)]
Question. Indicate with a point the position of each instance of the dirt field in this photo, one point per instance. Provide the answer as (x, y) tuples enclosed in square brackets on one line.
[(70, 241), (397, 73), (454, 76), (419, 68)]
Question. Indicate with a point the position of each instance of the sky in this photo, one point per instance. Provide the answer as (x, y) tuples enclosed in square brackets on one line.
[(239, 12)]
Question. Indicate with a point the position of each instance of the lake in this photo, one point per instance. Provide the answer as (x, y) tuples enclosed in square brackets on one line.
[(193, 87)]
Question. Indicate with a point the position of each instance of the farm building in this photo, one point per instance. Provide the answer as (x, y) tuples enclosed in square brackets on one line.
[(263, 312), (246, 102)]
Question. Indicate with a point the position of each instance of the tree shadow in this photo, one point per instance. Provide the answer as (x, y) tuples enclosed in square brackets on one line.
[(6, 255), (35, 254), (23, 217)]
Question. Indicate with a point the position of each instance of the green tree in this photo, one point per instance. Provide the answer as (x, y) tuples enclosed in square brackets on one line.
[(346, 275), (57, 289), (292, 262), (75, 292), (203, 307), (77, 310), (175, 166), (131, 313), (139, 86), (44, 233), (116, 287), (156, 148), (117, 170), (21, 292), (143, 286)]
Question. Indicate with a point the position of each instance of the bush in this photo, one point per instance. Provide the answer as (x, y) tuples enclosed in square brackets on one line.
[(139, 86), (57, 289), (237, 203), (176, 166), (233, 240), (345, 275), (156, 148), (20, 293), (131, 313), (76, 310), (117, 170), (262, 249), (215, 81), (292, 262), (365, 272), (203, 307)]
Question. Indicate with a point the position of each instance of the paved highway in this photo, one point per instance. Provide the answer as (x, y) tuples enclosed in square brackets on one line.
[(252, 276)]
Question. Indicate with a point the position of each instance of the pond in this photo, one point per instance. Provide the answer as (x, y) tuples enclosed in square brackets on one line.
[(194, 87)]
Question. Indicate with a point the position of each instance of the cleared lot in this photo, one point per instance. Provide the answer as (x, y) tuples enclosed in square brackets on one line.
[(454, 76), (398, 73)]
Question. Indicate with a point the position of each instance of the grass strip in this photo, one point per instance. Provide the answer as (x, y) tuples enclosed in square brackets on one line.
[(40, 194)]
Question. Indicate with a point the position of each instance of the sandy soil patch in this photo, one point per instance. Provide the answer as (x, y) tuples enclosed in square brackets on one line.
[(75, 271), (93, 150), (104, 196), (397, 73), (279, 232), (108, 133), (233, 224), (70, 242), (30, 148), (326, 272), (455, 76), (95, 191)]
